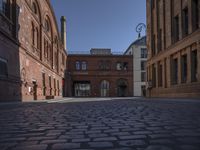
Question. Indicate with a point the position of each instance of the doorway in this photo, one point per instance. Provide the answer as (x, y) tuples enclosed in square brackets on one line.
[(121, 88), (34, 90)]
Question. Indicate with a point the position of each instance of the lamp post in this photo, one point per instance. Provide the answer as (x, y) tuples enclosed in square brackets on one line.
[(139, 28)]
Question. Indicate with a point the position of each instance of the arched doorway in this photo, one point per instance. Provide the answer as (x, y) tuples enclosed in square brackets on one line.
[(122, 88), (105, 85)]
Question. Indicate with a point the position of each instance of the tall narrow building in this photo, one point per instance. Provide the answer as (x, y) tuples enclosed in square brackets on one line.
[(173, 43)]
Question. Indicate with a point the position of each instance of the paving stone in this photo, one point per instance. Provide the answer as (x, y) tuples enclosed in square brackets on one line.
[(158, 147), (31, 147), (132, 137), (132, 143), (81, 140), (105, 139), (100, 144), (65, 146)]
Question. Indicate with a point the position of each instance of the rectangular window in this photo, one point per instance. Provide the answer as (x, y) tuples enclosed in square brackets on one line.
[(143, 53), (5, 7), (194, 66), (143, 65), (154, 76), (143, 76), (195, 14), (184, 68), (174, 71), (152, 4), (185, 22), (153, 45), (160, 75), (159, 40), (54, 80), (176, 28), (3, 68), (63, 59)]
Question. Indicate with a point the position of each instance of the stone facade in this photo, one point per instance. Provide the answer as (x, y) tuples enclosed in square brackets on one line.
[(173, 43), (31, 51), (99, 75)]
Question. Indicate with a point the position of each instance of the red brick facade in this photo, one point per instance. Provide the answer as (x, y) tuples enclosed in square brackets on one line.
[(32, 50), (173, 42), (100, 74)]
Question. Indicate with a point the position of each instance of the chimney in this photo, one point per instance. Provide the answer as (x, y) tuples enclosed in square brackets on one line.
[(63, 31)]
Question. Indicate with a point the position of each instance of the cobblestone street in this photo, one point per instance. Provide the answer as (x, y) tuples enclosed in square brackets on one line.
[(137, 124)]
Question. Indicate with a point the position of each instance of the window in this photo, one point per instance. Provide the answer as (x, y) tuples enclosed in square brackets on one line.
[(176, 28), (118, 66), (154, 76), (78, 65), (3, 68), (153, 45), (160, 75), (159, 40), (143, 76), (174, 71), (152, 4), (82, 89), (183, 68), (143, 53), (194, 66), (63, 59), (122, 66), (84, 65), (104, 65), (143, 65), (185, 22), (37, 38), (34, 7), (33, 34), (195, 14), (105, 88), (46, 25), (5, 7)]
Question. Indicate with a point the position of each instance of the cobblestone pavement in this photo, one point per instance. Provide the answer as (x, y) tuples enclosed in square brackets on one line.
[(101, 125)]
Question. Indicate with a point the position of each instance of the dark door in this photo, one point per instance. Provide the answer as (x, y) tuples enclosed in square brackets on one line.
[(34, 90), (122, 91)]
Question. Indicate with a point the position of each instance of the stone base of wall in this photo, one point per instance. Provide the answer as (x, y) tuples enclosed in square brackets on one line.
[(179, 91)]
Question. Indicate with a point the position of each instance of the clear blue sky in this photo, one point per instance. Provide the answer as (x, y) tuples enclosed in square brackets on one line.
[(100, 23)]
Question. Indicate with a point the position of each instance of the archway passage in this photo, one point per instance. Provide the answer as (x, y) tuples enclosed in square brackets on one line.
[(122, 88)]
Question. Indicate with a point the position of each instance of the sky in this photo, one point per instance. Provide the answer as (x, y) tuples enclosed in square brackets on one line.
[(100, 23)]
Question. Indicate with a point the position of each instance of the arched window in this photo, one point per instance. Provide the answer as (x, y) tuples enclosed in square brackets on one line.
[(84, 65), (33, 34), (37, 37), (46, 25), (78, 65), (34, 8), (105, 88)]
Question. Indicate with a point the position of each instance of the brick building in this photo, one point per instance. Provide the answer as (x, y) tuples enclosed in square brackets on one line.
[(99, 74), (32, 54), (173, 43)]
